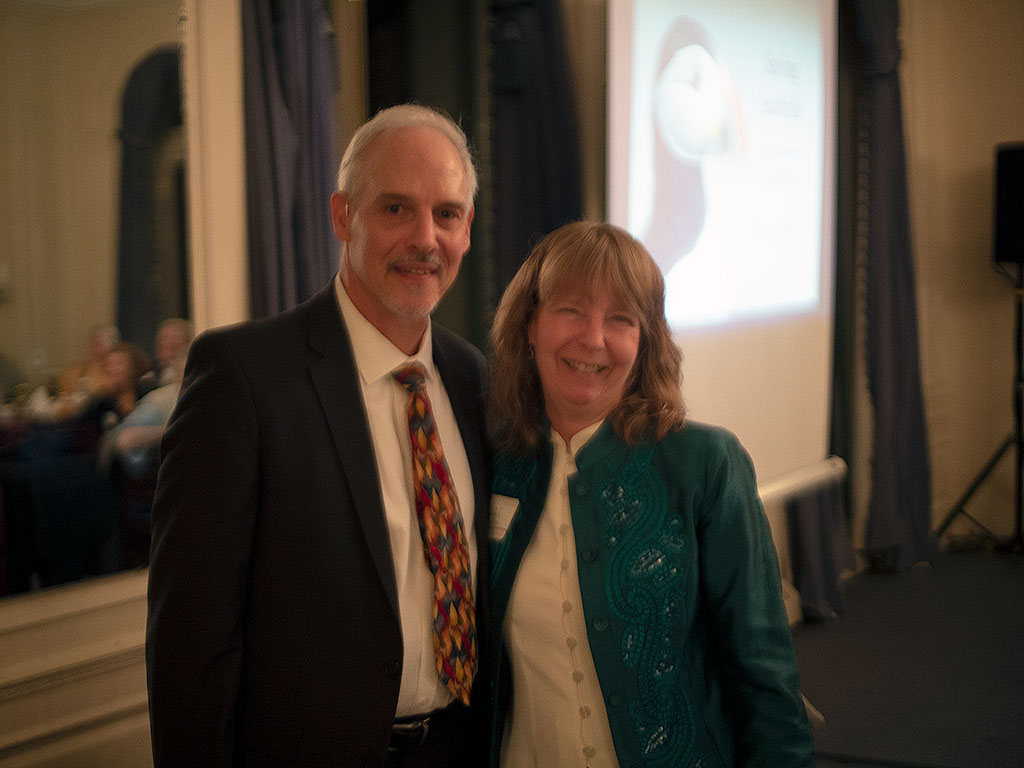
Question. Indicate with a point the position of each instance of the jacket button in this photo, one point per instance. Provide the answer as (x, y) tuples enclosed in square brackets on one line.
[(392, 668), (615, 701), (600, 623), (582, 489), (588, 554)]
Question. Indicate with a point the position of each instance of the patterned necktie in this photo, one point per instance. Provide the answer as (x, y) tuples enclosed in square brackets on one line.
[(444, 542)]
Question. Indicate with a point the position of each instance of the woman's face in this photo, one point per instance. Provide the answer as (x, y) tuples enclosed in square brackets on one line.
[(585, 348)]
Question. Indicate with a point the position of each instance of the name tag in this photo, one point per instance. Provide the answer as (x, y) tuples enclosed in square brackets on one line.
[(503, 510)]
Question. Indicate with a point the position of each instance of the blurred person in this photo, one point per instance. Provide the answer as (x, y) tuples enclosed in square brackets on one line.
[(173, 337), (127, 369), (134, 442), (87, 378), (637, 606)]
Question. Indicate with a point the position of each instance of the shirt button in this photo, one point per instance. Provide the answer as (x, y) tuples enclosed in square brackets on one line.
[(570, 642), (577, 675), (563, 528), (566, 607), (589, 751), (565, 564), (584, 711)]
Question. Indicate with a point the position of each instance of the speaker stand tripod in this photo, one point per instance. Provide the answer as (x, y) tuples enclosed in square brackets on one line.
[(1014, 440)]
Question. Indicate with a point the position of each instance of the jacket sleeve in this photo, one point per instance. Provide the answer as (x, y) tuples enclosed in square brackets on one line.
[(743, 594), (204, 518)]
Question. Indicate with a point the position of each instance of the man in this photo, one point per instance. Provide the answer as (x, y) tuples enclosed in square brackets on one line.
[(173, 336), (290, 603)]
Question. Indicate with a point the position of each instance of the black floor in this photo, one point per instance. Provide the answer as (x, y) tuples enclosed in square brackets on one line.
[(923, 668)]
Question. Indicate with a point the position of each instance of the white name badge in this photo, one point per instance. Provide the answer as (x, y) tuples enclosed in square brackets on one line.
[(503, 510)]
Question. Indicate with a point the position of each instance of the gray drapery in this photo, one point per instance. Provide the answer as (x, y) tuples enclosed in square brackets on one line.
[(150, 107), (819, 549), (899, 522), (289, 153)]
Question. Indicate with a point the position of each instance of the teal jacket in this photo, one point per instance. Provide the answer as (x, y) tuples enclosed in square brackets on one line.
[(682, 599)]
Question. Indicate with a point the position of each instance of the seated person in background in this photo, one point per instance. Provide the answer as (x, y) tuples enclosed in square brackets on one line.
[(134, 442), (126, 367), (88, 377), (173, 337)]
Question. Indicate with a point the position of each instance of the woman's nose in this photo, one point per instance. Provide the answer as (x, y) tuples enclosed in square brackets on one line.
[(592, 331)]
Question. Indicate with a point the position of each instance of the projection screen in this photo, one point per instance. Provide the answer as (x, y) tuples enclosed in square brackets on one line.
[(721, 159)]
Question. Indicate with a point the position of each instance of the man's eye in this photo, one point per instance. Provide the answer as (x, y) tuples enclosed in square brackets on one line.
[(394, 208), (449, 215)]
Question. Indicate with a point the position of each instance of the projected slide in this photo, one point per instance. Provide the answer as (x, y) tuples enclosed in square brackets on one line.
[(721, 159), (722, 175)]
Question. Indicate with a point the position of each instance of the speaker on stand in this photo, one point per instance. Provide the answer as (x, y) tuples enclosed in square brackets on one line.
[(1008, 248)]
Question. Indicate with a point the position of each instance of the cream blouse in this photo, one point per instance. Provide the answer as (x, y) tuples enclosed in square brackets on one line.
[(558, 714)]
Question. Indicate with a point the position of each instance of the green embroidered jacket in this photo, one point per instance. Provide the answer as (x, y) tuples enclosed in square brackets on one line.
[(681, 595)]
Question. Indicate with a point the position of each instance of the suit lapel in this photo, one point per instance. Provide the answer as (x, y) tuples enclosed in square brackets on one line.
[(333, 371)]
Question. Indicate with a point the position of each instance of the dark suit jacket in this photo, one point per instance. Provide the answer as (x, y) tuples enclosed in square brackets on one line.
[(273, 635)]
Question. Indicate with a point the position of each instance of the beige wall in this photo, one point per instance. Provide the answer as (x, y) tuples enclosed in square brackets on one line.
[(64, 71), (962, 77)]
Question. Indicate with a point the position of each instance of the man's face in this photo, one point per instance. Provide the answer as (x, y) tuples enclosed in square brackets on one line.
[(170, 344), (406, 231)]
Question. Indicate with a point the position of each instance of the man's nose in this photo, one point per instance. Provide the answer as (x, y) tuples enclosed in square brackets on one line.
[(423, 237)]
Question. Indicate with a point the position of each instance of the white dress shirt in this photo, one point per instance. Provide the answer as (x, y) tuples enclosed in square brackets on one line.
[(558, 715), (385, 400)]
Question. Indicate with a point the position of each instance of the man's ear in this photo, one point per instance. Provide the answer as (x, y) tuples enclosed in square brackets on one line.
[(339, 216)]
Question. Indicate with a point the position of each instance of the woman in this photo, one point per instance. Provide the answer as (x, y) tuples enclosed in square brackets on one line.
[(633, 572), (129, 377)]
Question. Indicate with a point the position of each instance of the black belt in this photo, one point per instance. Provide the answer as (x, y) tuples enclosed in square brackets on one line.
[(409, 733)]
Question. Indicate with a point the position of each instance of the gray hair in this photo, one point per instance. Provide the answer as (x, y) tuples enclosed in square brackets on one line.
[(351, 171)]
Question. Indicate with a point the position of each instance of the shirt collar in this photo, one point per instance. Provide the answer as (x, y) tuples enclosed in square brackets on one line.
[(577, 441), (375, 355)]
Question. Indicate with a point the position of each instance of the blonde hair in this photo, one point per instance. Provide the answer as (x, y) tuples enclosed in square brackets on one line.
[(585, 255)]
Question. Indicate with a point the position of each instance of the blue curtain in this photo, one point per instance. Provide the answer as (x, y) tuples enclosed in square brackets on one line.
[(290, 157), (899, 522), (819, 549)]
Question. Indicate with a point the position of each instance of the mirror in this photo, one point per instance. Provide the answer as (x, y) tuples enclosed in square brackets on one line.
[(67, 65)]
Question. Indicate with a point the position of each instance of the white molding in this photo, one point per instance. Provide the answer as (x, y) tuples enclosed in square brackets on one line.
[(73, 675), (212, 85)]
